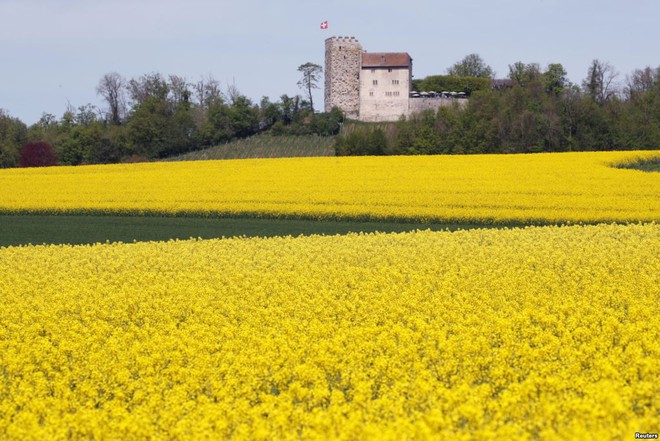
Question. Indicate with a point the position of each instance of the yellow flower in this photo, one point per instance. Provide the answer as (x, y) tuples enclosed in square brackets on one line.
[(542, 332)]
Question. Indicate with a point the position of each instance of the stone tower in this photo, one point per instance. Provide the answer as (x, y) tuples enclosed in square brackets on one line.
[(343, 60)]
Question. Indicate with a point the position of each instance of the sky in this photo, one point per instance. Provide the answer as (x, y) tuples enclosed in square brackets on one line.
[(54, 52)]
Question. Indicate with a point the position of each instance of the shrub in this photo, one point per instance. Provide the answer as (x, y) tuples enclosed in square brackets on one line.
[(38, 154)]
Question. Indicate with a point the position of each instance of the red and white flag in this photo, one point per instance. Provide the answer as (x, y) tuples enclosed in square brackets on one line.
[(324, 25)]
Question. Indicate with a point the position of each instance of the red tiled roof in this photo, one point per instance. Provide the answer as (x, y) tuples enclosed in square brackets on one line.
[(386, 59)]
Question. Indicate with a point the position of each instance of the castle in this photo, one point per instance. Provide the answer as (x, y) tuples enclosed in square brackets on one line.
[(373, 86)]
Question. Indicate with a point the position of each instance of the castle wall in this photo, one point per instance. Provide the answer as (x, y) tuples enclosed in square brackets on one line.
[(343, 58), (384, 93), (420, 104)]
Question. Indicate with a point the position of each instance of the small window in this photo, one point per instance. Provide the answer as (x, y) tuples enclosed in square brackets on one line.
[(373, 70), (371, 93), (389, 70), (375, 82), (395, 82)]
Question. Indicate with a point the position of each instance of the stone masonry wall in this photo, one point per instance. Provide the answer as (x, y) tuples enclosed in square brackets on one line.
[(343, 59), (417, 105)]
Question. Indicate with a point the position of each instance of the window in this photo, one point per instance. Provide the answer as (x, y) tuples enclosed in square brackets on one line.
[(373, 70), (395, 82), (371, 93), (389, 70), (375, 82)]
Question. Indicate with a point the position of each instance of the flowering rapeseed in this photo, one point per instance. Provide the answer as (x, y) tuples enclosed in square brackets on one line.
[(536, 333), (552, 187)]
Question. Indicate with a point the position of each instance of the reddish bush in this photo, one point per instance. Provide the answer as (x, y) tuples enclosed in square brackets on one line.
[(37, 154)]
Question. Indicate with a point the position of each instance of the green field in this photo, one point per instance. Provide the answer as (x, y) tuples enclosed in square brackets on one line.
[(265, 146), (39, 229)]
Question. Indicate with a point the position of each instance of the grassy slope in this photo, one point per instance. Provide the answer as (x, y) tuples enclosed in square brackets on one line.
[(38, 229), (265, 146)]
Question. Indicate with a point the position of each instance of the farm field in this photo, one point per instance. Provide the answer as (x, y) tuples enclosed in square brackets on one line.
[(539, 188), (530, 313), (535, 333)]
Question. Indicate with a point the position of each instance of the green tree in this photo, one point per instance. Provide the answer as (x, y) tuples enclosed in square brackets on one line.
[(162, 121), (362, 141), (524, 74), (148, 86), (13, 134), (311, 74), (439, 83), (554, 79), (148, 127), (471, 66)]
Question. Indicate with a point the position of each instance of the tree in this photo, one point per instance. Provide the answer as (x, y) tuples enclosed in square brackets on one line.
[(311, 74), (523, 74), (207, 91), (471, 66), (554, 79), (179, 89), (452, 84), (111, 88), (642, 80), (13, 134), (37, 154), (290, 108), (599, 84), (148, 127), (368, 141), (269, 113), (148, 86)]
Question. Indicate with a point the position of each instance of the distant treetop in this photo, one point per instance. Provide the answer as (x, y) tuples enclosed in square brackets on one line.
[(471, 66)]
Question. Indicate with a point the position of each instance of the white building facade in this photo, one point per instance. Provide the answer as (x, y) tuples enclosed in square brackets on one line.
[(385, 86)]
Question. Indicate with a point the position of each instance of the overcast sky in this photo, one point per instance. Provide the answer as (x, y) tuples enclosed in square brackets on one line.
[(53, 52)]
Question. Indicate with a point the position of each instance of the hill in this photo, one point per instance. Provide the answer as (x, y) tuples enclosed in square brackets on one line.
[(265, 146)]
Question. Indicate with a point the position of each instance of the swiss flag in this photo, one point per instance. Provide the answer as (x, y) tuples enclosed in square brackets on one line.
[(324, 25)]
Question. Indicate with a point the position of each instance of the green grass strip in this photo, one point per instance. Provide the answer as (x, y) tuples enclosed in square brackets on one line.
[(643, 164), (23, 229)]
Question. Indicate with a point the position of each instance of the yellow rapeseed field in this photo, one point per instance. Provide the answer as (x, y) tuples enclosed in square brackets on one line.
[(552, 187), (535, 333)]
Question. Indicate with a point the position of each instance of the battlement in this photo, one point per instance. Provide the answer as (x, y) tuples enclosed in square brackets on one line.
[(342, 43), (343, 39)]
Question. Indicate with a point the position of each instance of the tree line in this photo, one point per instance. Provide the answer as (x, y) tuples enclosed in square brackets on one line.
[(533, 110), (155, 116)]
